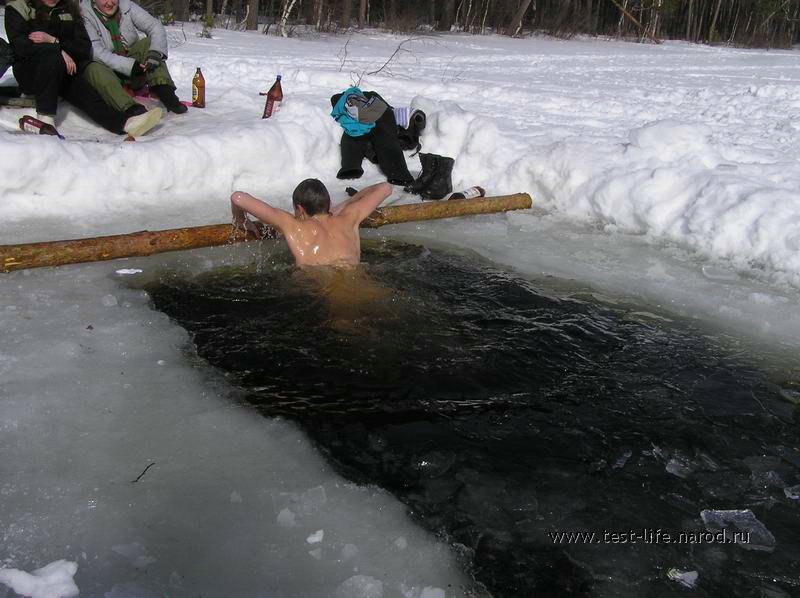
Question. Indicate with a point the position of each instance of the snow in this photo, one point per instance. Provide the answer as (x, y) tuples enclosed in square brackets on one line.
[(51, 581), (663, 176)]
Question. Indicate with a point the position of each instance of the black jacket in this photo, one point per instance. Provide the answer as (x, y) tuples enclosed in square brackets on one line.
[(59, 22)]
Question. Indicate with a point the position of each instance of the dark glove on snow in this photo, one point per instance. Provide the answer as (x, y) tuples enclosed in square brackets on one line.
[(154, 60)]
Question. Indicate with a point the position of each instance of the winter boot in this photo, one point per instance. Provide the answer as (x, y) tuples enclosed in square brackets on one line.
[(166, 94), (141, 122), (441, 184), (428, 162)]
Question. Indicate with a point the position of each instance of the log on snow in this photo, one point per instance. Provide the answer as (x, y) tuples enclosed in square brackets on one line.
[(59, 253)]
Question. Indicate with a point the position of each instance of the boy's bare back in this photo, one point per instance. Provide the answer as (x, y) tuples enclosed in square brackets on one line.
[(319, 239)]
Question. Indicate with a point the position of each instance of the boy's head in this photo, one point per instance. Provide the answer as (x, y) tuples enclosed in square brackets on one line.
[(312, 196)]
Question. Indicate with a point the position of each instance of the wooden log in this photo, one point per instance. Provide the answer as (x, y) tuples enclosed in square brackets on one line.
[(59, 253)]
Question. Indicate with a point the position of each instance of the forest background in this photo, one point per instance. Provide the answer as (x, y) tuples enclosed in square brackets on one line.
[(746, 23)]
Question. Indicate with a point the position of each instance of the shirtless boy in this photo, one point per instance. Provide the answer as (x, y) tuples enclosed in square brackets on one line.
[(316, 234)]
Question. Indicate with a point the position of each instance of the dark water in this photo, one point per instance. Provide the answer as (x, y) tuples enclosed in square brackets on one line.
[(501, 411)]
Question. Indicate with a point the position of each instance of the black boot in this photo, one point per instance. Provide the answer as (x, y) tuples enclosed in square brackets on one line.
[(428, 162), (166, 94), (441, 184)]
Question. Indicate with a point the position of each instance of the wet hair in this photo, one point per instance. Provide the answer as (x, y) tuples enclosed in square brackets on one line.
[(313, 196)]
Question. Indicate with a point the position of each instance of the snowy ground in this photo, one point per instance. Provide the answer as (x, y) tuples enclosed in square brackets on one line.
[(665, 175)]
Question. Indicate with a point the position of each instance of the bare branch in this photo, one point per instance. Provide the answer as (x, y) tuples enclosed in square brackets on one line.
[(343, 52), (397, 50)]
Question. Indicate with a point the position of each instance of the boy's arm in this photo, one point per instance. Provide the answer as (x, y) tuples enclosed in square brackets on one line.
[(244, 203), (363, 203)]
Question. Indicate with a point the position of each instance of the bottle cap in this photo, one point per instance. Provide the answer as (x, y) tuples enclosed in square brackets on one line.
[(279, 77)]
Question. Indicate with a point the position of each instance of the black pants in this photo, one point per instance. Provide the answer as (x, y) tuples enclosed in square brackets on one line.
[(381, 144), (44, 75)]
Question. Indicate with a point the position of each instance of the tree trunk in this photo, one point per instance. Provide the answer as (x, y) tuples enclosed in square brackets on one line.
[(711, 32), (448, 14), (210, 9), (318, 7), (689, 21), (252, 15), (347, 7), (516, 22), (362, 14), (287, 9), (589, 13), (181, 10)]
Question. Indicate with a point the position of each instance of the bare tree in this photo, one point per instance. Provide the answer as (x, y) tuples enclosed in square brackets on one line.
[(287, 9), (448, 15), (516, 22), (181, 10), (362, 14), (347, 8), (252, 15)]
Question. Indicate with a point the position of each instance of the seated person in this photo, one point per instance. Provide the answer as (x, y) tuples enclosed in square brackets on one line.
[(121, 56), (51, 49), (317, 235)]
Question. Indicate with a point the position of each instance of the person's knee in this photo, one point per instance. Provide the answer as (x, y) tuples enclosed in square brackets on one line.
[(51, 58), (51, 65), (96, 71)]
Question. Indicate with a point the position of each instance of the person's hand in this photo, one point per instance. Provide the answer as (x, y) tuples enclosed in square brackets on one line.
[(154, 60), (40, 37), (257, 229), (70, 63), (138, 69)]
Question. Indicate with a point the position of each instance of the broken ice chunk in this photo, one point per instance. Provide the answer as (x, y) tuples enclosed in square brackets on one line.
[(792, 492), (54, 579), (749, 532), (128, 271), (685, 578), (680, 466), (316, 537), (622, 460)]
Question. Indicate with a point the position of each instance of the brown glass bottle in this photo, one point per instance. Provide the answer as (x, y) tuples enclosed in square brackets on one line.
[(30, 124), (198, 89), (470, 193), (274, 98)]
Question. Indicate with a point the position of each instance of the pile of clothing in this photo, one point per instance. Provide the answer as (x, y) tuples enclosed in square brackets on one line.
[(380, 133)]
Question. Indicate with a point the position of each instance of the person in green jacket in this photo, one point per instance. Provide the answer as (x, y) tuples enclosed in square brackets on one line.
[(123, 57)]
